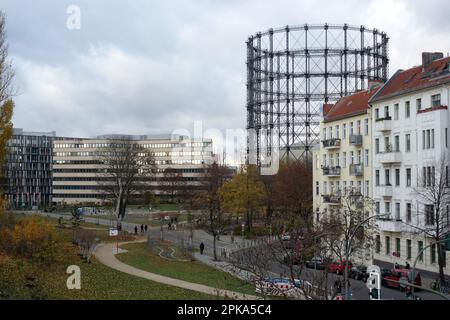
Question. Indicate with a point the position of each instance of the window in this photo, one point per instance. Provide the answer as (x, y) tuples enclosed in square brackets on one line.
[(432, 138), (344, 159), (351, 129), (377, 145), (338, 159), (352, 157), (397, 177), (387, 145), (386, 112), (397, 143), (317, 215), (377, 178), (358, 127), (408, 249), (423, 139), (408, 142), (366, 157), (436, 100), (387, 175), (366, 127), (337, 132), (378, 244), (377, 207), (387, 207), (367, 191), (317, 188), (407, 109), (397, 211), (408, 177), (433, 253), (419, 249), (359, 157), (388, 245), (398, 246), (408, 213), (419, 104), (344, 131), (429, 214), (396, 111), (446, 137)]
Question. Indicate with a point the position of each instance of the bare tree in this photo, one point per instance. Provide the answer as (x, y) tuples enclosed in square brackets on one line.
[(433, 195), (172, 183), (209, 200), (6, 69), (127, 169)]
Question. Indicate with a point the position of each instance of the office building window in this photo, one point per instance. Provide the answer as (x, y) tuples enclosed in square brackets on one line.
[(408, 142), (419, 250), (397, 177), (388, 245), (436, 100), (408, 249), (408, 177)]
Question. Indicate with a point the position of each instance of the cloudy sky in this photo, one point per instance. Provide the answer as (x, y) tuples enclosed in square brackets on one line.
[(147, 66)]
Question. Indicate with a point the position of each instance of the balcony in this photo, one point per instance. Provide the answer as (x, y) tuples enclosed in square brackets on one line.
[(332, 200), (356, 140), (332, 171), (356, 170), (389, 157), (390, 225), (331, 144), (383, 124), (384, 191)]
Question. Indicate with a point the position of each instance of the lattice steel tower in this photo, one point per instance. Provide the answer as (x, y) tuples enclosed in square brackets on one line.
[(293, 71)]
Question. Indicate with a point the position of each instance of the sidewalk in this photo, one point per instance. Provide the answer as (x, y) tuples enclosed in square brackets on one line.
[(105, 254)]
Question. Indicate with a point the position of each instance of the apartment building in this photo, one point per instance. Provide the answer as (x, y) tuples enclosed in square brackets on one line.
[(77, 170), (342, 163), (410, 121), (27, 176)]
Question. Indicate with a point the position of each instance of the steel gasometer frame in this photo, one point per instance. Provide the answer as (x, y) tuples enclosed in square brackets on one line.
[(293, 71)]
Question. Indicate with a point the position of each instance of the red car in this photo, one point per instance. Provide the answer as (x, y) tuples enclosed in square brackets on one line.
[(396, 275), (339, 267)]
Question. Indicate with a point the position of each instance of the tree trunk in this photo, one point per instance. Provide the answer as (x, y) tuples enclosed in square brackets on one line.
[(441, 263), (214, 246)]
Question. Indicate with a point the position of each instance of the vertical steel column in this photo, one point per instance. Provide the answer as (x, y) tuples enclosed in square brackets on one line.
[(288, 149), (345, 61), (270, 129), (258, 107), (363, 73)]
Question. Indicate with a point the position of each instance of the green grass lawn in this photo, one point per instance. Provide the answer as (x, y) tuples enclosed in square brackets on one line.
[(192, 271)]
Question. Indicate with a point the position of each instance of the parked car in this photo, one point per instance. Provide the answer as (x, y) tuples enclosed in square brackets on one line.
[(359, 272), (395, 275), (317, 263), (282, 287), (339, 267)]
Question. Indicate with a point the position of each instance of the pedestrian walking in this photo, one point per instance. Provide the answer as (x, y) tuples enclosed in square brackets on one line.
[(396, 266), (145, 228), (135, 230), (202, 247), (407, 265), (142, 228), (169, 226)]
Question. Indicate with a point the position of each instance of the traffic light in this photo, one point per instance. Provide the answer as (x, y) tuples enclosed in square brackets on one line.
[(373, 284)]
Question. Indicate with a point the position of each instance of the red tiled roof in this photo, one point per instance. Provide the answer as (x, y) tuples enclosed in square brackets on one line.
[(416, 78), (352, 105)]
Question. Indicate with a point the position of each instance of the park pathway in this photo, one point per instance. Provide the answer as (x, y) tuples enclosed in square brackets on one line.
[(105, 253)]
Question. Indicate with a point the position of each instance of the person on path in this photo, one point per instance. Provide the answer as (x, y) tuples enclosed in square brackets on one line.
[(135, 230), (142, 228), (145, 228), (202, 247)]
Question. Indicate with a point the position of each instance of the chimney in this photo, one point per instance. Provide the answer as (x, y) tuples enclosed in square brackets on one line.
[(429, 57)]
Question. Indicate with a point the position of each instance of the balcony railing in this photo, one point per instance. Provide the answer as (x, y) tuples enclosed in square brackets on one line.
[(389, 157), (383, 124), (331, 171), (391, 225), (356, 140), (331, 143), (385, 191), (356, 170), (332, 199)]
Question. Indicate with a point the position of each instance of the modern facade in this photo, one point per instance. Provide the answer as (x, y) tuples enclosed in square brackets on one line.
[(78, 172), (27, 176), (410, 121)]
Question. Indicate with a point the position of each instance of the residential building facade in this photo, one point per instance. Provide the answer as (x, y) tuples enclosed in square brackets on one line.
[(410, 121), (342, 163), (27, 176)]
